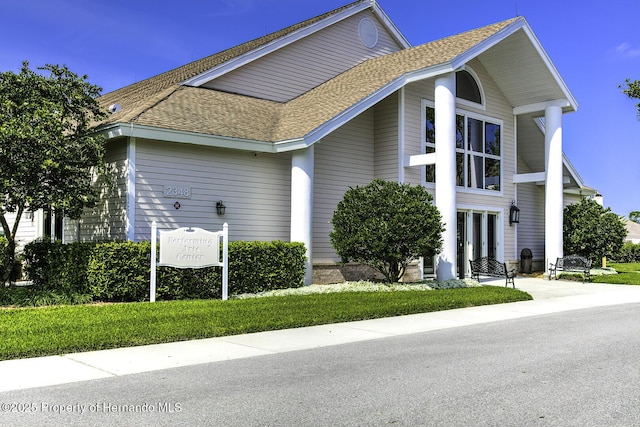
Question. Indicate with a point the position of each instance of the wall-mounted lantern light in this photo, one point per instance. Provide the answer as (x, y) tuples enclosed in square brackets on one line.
[(514, 214), (220, 207)]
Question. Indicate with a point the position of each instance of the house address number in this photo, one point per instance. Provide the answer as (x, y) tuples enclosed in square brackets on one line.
[(177, 191)]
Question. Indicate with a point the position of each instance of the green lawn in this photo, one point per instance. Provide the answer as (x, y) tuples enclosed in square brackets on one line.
[(628, 274), (28, 332), (627, 267)]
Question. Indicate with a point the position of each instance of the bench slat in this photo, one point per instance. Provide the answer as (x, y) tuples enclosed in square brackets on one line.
[(487, 266)]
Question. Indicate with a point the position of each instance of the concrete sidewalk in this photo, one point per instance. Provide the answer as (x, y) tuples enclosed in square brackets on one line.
[(549, 297)]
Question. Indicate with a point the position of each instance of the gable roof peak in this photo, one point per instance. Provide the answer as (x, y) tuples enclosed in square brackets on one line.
[(176, 76)]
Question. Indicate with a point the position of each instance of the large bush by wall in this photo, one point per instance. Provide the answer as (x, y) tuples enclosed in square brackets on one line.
[(630, 252), (120, 271)]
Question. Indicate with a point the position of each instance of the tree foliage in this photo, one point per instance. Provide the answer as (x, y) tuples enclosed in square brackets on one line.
[(48, 146), (386, 225), (592, 231), (634, 216), (632, 90)]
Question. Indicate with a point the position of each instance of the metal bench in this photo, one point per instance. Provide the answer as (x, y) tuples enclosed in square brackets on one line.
[(487, 266), (571, 263)]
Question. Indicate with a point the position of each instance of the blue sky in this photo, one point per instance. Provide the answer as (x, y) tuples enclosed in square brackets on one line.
[(594, 45)]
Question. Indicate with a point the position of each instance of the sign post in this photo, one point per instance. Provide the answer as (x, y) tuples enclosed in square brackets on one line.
[(225, 258), (154, 235), (190, 248)]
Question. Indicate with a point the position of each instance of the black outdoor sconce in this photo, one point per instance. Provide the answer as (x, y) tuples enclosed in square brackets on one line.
[(220, 207), (514, 214)]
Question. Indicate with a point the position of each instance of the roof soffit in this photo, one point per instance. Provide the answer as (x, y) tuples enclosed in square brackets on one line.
[(531, 151), (522, 69)]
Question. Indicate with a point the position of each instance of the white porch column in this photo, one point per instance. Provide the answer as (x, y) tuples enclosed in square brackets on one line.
[(445, 198), (553, 185), (302, 166)]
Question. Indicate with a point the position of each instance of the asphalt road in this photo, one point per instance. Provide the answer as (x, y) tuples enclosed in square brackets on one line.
[(576, 368)]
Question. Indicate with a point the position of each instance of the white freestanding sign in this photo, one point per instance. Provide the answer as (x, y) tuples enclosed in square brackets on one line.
[(190, 248)]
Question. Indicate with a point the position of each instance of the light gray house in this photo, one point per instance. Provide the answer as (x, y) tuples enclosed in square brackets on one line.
[(278, 128), (633, 232)]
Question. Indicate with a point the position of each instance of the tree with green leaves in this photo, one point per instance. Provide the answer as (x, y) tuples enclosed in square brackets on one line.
[(632, 90), (634, 216), (386, 225), (592, 231), (48, 146)]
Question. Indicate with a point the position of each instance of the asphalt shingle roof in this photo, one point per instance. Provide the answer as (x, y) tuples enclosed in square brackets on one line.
[(162, 102)]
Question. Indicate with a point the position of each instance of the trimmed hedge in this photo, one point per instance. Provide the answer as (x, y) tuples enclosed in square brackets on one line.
[(265, 266), (120, 271), (50, 265)]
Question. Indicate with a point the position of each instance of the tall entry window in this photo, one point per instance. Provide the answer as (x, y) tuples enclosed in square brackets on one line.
[(478, 150)]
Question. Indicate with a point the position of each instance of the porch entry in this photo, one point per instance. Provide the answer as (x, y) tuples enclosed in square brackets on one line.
[(477, 235)]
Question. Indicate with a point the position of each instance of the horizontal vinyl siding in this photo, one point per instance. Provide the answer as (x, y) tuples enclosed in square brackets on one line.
[(106, 221), (531, 227), (306, 63), (414, 94), (386, 139), (71, 230), (343, 159), (27, 229), (570, 199), (255, 188)]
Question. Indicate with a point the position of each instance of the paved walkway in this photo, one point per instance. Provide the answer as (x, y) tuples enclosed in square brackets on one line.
[(549, 297)]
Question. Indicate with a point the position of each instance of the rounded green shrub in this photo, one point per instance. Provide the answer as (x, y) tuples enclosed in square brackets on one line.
[(386, 225)]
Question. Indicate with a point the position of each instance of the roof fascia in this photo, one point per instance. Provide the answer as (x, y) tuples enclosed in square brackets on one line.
[(489, 42), (573, 171), (274, 45), (565, 160), (519, 24), (117, 130), (353, 111), (541, 106), (552, 68), (388, 23), (582, 191)]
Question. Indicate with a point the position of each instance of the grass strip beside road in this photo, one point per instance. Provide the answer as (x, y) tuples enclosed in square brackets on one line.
[(31, 332), (628, 274)]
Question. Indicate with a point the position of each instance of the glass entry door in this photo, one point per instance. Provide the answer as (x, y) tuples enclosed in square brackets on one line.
[(462, 244), (477, 236), (492, 235)]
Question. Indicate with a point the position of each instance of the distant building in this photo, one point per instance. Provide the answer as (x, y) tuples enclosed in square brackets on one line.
[(633, 232)]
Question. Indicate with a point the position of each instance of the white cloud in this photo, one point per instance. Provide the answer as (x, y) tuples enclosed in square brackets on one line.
[(626, 50)]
